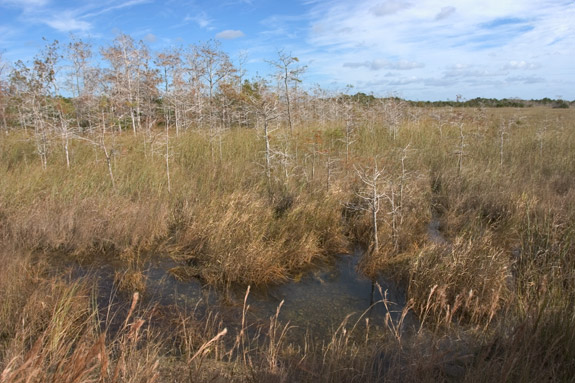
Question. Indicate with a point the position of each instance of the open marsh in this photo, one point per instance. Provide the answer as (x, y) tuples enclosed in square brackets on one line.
[(475, 228)]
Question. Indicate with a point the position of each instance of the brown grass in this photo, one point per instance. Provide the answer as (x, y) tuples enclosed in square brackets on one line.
[(493, 299)]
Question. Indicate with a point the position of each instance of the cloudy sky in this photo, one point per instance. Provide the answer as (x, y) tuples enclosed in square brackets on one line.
[(417, 49)]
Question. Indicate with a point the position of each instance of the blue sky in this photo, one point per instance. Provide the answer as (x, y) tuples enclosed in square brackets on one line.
[(417, 49)]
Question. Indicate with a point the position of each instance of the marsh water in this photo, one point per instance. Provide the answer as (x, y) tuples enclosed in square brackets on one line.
[(318, 301), (315, 302)]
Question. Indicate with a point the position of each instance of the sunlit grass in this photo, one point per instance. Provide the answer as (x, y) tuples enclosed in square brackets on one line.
[(503, 275)]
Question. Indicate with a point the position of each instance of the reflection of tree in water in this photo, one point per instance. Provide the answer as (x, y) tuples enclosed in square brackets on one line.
[(322, 299)]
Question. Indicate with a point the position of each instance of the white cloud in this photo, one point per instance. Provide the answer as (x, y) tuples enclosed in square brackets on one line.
[(440, 82), (474, 46), (513, 65), (389, 7), (404, 65), (67, 22), (384, 64), (150, 37), (282, 27), (525, 79), (125, 4), (420, 48), (229, 34), (201, 19), (445, 13), (404, 81), (66, 19), (24, 3), (467, 71)]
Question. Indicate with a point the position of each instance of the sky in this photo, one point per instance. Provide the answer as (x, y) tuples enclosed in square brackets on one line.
[(414, 49)]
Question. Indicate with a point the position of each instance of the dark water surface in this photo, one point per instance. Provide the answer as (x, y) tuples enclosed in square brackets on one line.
[(315, 302), (320, 300)]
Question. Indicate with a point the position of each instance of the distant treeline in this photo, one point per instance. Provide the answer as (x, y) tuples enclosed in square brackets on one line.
[(473, 103), (495, 103)]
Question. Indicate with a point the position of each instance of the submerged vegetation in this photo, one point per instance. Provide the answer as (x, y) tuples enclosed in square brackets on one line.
[(239, 183)]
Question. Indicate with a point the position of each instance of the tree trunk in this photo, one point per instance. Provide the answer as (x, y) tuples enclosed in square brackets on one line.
[(374, 211), (268, 153)]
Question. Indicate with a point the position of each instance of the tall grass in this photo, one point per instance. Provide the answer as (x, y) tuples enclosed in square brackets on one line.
[(493, 297)]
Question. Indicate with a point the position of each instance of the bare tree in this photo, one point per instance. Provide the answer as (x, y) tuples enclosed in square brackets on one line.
[(349, 139), (391, 190), (502, 133), (264, 104), (36, 89), (100, 142), (284, 157), (288, 71), (59, 120), (193, 93), (133, 81), (393, 110), (82, 82), (314, 152), (4, 96), (169, 64), (371, 195), (460, 152), (215, 69), (79, 54), (438, 117), (395, 195)]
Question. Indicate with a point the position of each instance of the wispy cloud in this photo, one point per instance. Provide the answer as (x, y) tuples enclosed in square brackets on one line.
[(67, 22), (513, 65), (230, 34), (525, 79), (467, 71), (150, 37), (384, 64), (66, 18), (286, 26), (420, 49), (201, 19), (445, 13), (389, 7), (24, 4), (404, 81), (465, 49), (124, 4)]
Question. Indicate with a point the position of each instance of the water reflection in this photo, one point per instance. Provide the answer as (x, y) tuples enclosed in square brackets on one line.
[(322, 299), (315, 303)]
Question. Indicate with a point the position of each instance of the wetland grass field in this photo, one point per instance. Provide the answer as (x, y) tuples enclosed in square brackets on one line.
[(468, 212)]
